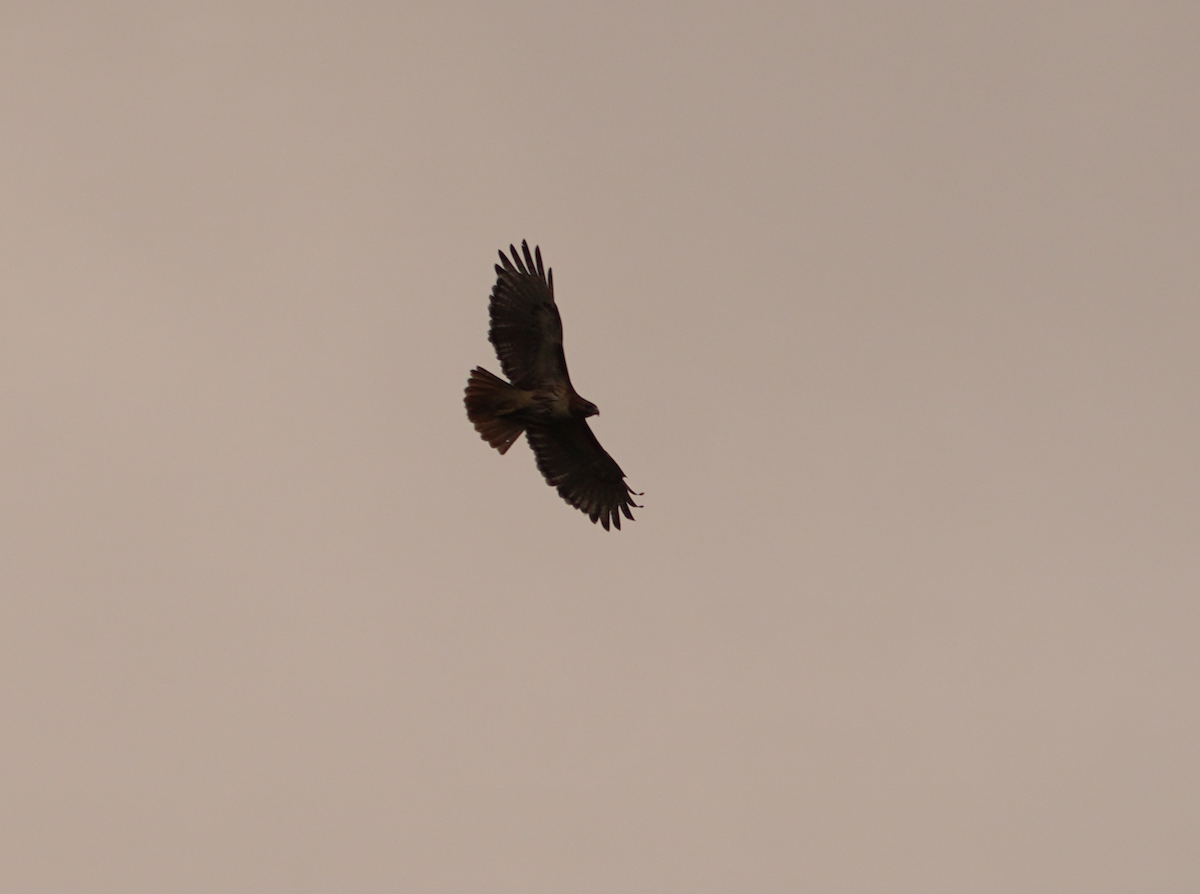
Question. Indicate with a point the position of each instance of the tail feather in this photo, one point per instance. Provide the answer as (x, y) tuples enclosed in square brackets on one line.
[(489, 401)]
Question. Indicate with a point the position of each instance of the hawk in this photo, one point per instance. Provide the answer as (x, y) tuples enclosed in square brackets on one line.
[(538, 399)]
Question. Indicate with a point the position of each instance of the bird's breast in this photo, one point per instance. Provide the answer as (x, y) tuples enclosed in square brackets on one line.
[(556, 401)]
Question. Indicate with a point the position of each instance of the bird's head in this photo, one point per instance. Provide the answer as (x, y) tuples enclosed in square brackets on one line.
[(583, 408)]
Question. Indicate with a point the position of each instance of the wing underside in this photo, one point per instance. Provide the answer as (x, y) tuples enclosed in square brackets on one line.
[(526, 328), (572, 460)]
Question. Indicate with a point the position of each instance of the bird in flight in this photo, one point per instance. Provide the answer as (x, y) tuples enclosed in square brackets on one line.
[(538, 399)]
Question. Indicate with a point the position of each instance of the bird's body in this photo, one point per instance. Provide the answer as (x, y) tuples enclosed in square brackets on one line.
[(538, 399)]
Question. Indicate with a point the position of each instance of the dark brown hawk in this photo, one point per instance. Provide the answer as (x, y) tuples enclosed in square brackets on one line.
[(538, 398)]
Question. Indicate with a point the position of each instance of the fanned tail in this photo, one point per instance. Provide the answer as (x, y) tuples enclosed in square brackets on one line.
[(490, 400)]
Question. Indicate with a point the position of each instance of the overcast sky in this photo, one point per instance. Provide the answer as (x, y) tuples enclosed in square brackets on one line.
[(891, 310)]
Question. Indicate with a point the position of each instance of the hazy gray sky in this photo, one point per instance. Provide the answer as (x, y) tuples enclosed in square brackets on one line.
[(891, 309)]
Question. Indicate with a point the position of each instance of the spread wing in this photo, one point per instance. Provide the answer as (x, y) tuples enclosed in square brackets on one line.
[(571, 459), (526, 328)]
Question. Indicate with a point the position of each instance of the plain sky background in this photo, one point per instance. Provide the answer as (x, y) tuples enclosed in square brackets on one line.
[(891, 309)]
